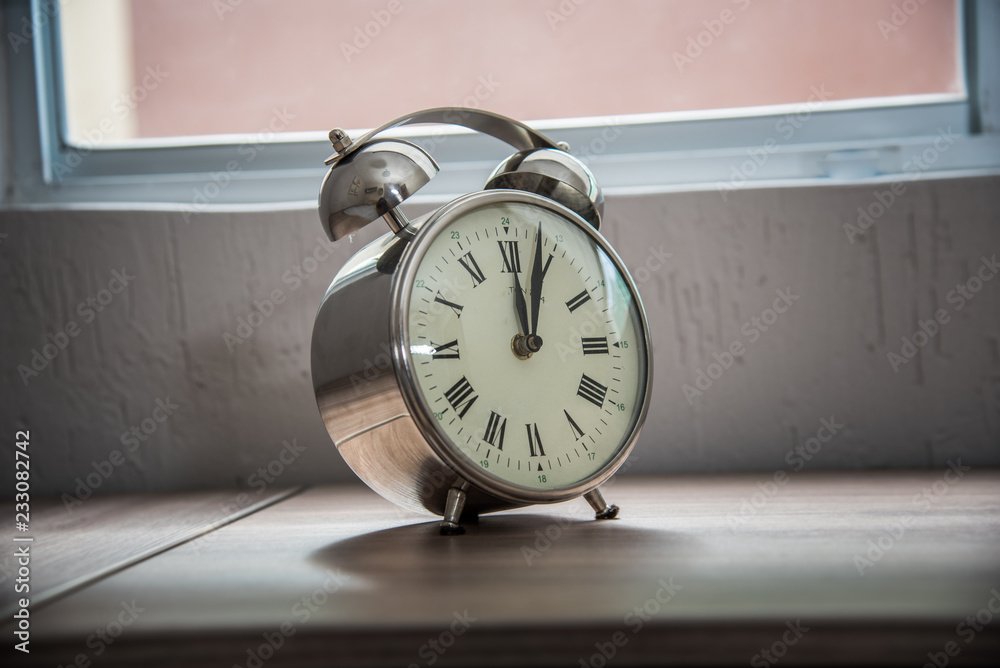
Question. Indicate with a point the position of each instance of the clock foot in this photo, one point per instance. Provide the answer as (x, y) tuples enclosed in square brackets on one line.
[(452, 512), (451, 529), (601, 508)]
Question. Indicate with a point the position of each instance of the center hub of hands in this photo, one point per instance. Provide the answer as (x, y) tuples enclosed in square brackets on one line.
[(524, 346)]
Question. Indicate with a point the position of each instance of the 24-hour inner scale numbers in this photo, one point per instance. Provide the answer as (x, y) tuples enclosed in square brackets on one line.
[(522, 337)]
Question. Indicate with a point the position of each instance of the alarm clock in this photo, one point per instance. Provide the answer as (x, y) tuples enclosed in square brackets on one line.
[(489, 355)]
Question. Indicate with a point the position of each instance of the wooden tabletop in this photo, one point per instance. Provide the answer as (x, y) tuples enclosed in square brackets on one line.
[(830, 568)]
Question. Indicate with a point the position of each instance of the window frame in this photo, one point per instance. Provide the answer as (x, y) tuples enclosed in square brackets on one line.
[(842, 142)]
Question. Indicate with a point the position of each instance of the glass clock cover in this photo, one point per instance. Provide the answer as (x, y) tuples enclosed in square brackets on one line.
[(523, 342)]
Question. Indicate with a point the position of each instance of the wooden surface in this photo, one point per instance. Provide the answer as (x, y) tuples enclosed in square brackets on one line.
[(78, 543), (550, 586)]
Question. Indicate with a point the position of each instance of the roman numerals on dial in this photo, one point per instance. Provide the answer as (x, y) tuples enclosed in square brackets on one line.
[(534, 441), (574, 427), (496, 427), (545, 269), (446, 351), (472, 267), (487, 286), (578, 301), (597, 345), (461, 396), (592, 391), (457, 308), (511, 257)]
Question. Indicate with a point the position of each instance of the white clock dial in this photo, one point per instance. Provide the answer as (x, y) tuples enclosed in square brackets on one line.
[(545, 421)]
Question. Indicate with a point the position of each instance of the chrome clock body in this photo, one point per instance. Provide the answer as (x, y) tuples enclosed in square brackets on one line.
[(416, 437)]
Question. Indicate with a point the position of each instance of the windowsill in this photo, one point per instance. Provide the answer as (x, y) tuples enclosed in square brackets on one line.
[(879, 567), (425, 202)]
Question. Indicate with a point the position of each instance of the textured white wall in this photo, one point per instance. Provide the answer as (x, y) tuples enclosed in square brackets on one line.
[(162, 337)]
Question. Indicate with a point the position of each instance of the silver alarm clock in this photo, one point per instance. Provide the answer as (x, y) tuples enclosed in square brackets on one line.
[(490, 355)]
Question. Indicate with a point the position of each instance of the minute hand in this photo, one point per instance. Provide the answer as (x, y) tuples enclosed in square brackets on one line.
[(537, 276)]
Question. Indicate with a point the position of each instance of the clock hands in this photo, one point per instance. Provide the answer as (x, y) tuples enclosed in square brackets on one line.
[(528, 342), (537, 276), (536, 286), (524, 342), (520, 307)]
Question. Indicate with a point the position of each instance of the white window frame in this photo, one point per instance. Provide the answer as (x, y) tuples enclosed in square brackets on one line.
[(832, 144)]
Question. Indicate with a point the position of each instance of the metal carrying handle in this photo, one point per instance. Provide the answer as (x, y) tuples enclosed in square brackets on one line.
[(515, 133), (369, 178)]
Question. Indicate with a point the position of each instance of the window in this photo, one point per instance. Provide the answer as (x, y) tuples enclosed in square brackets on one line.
[(150, 101), (197, 67)]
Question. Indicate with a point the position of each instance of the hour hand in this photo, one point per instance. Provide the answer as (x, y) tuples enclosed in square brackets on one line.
[(520, 306)]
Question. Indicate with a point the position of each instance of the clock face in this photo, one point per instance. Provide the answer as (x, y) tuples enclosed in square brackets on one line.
[(524, 343)]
